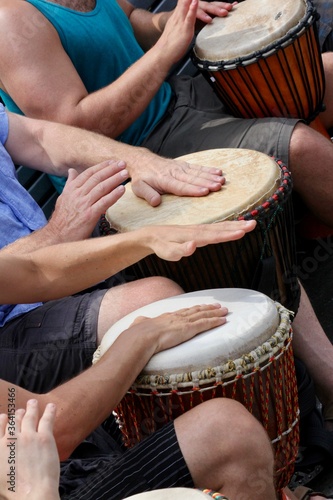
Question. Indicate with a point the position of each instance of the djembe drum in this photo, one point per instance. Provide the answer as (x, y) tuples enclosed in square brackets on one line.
[(179, 494), (264, 59), (257, 186), (249, 359)]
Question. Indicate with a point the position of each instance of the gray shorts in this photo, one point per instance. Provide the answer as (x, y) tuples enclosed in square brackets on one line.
[(51, 344), (196, 120)]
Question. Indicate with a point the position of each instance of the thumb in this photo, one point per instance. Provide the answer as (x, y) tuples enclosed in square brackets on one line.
[(143, 190)]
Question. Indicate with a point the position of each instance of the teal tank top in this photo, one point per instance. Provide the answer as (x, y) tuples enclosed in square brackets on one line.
[(101, 45)]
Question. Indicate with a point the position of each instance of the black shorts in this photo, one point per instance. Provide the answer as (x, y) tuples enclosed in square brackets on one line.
[(156, 462), (196, 120), (51, 344)]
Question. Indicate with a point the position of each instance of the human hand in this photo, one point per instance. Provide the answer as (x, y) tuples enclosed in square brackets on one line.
[(174, 242), (85, 197), (174, 328), (208, 10), (29, 458), (162, 175), (179, 31)]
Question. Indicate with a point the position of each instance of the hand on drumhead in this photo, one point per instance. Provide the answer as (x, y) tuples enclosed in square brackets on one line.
[(28, 455), (171, 329), (174, 242), (176, 177), (208, 10), (85, 197)]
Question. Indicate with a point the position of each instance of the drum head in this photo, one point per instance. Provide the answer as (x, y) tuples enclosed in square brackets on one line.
[(251, 178), (251, 26), (174, 494), (252, 319)]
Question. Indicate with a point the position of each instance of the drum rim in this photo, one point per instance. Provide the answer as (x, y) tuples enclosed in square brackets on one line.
[(310, 17), (245, 366), (280, 196)]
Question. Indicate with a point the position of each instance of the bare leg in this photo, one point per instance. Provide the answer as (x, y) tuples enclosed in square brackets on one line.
[(314, 348), (123, 299), (311, 166), (227, 450)]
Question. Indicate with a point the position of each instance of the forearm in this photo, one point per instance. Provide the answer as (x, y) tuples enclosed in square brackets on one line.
[(93, 395), (68, 268), (114, 108), (85, 401), (55, 147), (148, 27)]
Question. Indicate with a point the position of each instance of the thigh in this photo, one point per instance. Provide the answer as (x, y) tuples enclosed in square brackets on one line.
[(156, 462), (198, 121), (43, 348)]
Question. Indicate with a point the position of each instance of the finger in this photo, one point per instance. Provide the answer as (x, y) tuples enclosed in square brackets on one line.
[(93, 176), (174, 251), (106, 188), (19, 414), (139, 319), (3, 424), (107, 201), (46, 422), (196, 176), (208, 10), (224, 230), (143, 190), (30, 419), (72, 174), (103, 184), (183, 7), (201, 310), (219, 232), (199, 318)]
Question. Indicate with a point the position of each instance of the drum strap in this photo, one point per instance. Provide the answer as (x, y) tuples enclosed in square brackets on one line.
[(264, 276)]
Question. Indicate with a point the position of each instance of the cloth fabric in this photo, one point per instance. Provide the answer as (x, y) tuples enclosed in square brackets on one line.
[(325, 24), (156, 462), (19, 213), (53, 343), (196, 120)]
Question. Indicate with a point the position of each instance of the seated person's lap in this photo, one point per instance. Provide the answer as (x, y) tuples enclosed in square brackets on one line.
[(156, 462), (197, 120), (50, 344)]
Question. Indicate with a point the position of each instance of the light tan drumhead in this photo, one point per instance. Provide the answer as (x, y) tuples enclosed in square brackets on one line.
[(172, 494), (251, 25), (251, 178), (252, 320)]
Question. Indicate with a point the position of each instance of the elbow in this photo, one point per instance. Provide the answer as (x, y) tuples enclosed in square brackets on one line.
[(66, 442)]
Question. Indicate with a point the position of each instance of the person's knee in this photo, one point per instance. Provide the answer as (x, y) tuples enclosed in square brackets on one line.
[(224, 446), (240, 431), (161, 287)]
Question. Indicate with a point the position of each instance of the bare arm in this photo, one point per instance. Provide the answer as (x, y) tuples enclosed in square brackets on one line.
[(149, 26), (82, 403), (62, 97), (54, 148), (64, 269), (25, 62)]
